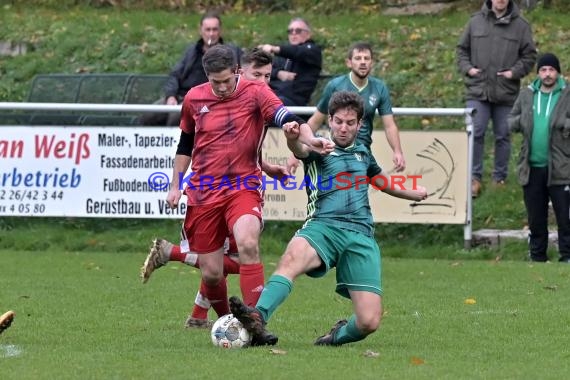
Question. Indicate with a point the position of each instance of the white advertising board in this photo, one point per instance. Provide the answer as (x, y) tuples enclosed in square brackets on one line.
[(124, 172)]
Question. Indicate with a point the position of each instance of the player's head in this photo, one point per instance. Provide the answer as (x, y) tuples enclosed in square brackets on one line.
[(256, 65), (346, 109), (299, 31), (360, 59), (211, 28), (219, 64)]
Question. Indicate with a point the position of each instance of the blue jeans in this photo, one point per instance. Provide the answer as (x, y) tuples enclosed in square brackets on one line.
[(498, 113)]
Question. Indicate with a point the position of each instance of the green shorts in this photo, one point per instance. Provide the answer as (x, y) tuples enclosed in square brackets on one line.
[(355, 256)]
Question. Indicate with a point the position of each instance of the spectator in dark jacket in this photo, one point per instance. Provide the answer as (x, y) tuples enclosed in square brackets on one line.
[(297, 65), (189, 71), (540, 114), (494, 53)]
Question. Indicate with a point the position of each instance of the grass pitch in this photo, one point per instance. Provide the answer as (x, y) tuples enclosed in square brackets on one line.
[(86, 315)]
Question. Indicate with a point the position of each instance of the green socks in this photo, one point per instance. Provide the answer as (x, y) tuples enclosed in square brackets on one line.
[(274, 294), (276, 291), (348, 333)]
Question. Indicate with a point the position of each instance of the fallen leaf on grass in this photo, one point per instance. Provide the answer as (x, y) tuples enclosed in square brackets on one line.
[(415, 36), (92, 266), (275, 351), (417, 361), (470, 301), (371, 354)]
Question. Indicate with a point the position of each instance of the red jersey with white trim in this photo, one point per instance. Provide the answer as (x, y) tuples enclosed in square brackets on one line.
[(228, 133)]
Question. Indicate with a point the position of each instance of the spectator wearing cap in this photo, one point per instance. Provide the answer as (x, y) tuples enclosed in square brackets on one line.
[(540, 115), (297, 65)]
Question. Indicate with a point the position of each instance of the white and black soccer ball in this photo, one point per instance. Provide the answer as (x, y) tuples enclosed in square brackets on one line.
[(228, 332)]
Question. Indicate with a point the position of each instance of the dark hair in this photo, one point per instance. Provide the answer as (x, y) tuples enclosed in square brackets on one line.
[(256, 57), (360, 46), (210, 14), (346, 99), (218, 58)]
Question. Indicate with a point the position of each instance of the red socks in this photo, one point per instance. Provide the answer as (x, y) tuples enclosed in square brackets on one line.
[(230, 266), (251, 282), (200, 312), (218, 296), (176, 255)]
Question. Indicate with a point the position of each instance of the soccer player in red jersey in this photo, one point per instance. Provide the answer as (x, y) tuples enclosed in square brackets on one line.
[(255, 65), (223, 124)]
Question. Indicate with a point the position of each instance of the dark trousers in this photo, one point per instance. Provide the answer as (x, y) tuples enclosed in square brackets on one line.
[(536, 196)]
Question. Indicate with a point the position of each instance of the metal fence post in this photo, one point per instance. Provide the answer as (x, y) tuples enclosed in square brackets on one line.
[(468, 227)]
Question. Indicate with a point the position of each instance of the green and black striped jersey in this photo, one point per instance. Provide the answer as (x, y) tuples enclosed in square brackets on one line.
[(337, 187)]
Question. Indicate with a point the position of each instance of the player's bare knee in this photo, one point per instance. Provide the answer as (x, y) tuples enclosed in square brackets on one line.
[(368, 323), (299, 257), (212, 278), (294, 263), (288, 261), (248, 249)]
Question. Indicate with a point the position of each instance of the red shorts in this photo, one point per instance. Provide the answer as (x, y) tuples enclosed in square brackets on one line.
[(208, 226), (230, 245)]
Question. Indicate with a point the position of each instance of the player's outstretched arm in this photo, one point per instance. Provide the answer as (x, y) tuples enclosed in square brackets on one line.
[(282, 117), (316, 144), (419, 193), (292, 133), (315, 122), (393, 136)]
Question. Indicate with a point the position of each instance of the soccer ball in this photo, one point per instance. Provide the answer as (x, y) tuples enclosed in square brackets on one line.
[(228, 332)]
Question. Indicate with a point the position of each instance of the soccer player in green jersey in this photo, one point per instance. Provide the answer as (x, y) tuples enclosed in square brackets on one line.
[(376, 97), (338, 232)]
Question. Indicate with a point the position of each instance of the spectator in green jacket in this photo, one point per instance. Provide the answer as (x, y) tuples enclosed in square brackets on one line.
[(495, 51), (540, 114)]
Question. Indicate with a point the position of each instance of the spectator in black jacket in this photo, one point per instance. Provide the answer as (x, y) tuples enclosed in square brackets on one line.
[(297, 65), (189, 71)]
